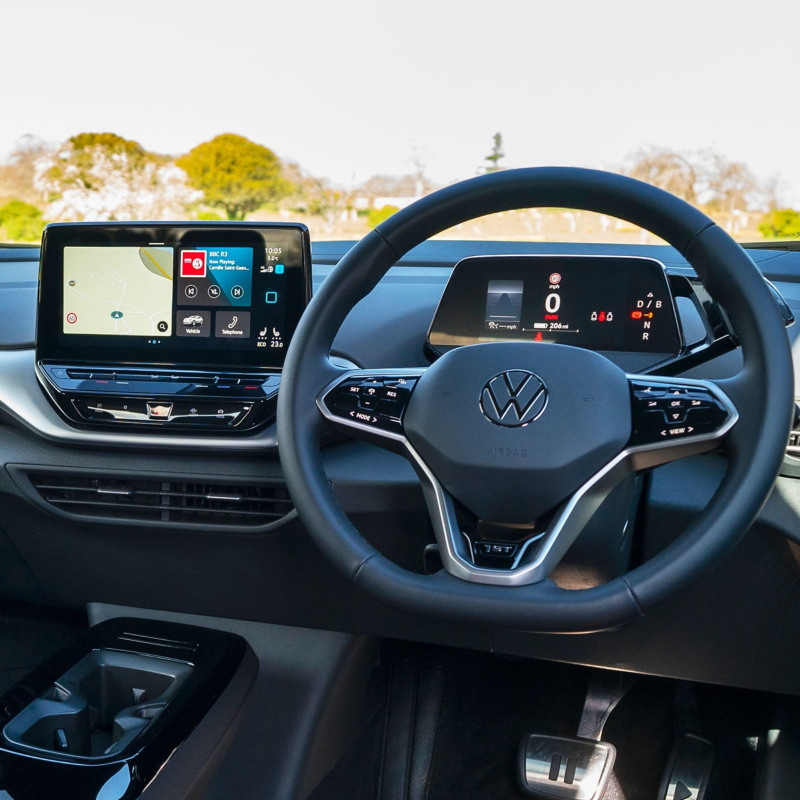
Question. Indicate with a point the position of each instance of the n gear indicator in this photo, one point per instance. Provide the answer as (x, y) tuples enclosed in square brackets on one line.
[(645, 313)]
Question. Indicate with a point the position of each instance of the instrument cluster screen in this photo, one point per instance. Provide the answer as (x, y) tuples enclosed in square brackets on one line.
[(601, 303), (172, 294)]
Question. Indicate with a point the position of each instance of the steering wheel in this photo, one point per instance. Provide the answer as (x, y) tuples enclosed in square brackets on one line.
[(444, 419)]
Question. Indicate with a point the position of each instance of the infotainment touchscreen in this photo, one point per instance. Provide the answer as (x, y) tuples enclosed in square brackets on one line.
[(226, 294)]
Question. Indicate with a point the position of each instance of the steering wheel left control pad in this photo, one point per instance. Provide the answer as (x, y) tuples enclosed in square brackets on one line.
[(375, 401)]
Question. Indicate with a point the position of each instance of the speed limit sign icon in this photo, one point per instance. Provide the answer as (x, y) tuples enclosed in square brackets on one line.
[(72, 318)]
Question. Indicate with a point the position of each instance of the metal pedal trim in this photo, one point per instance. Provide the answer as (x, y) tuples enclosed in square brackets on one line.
[(688, 770), (565, 768)]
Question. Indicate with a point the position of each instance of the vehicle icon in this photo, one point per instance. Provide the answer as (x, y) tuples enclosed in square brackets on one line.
[(194, 319)]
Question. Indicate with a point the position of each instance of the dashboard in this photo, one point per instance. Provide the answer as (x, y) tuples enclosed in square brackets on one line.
[(275, 573), (181, 329)]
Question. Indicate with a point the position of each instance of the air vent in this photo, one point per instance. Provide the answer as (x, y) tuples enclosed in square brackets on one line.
[(190, 503)]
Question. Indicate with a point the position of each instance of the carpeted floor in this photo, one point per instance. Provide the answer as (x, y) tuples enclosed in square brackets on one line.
[(490, 702)]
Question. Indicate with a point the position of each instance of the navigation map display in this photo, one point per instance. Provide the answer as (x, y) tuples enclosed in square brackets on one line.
[(166, 293), (120, 291)]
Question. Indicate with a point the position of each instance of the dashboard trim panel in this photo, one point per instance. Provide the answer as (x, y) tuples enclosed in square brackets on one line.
[(23, 399)]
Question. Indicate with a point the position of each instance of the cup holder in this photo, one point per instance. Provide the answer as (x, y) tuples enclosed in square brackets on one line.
[(97, 708)]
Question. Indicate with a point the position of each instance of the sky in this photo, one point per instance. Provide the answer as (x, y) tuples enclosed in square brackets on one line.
[(349, 89)]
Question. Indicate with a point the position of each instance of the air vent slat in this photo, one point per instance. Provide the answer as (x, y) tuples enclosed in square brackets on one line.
[(228, 511), (165, 500)]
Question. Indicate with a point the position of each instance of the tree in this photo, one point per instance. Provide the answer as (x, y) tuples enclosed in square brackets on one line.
[(730, 185), (102, 176), (235, 174), (20, 222), (17, 174), (677, 173), (410, 185), (497, 153), (322, 199), (781, 224), (704, 178)]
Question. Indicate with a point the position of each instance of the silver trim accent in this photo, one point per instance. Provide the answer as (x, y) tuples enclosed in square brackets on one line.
[(570, 518), (25, 401), (545, 762), (487, 389)]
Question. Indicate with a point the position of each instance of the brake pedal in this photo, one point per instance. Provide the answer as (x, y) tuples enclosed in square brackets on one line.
[(565, 768), (688, 769)]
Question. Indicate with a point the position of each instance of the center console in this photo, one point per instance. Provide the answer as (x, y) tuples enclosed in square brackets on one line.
[(103, 717), (169, 326)]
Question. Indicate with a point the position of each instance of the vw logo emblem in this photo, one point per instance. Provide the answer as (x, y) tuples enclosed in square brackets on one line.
[(514, 398)]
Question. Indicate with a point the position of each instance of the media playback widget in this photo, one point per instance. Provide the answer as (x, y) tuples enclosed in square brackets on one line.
[(215, 276), (219, 288)]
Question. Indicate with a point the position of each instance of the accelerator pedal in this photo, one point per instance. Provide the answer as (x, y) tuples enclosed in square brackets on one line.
[(688, 769)]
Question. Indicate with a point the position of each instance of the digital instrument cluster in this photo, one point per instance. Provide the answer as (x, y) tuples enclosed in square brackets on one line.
[(602, 303)]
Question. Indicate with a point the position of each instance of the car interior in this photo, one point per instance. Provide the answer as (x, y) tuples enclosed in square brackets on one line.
[(403, 518)]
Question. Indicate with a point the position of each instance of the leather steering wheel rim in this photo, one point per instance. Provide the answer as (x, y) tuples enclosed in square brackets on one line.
[(763, 392)]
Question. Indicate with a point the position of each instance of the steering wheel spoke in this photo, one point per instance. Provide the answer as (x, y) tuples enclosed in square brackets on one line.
[(370, 404), (674, 418)]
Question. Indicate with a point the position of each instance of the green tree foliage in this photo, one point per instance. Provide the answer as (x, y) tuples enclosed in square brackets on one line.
[(497, 153), (20, 222), (378, 215), (102, 176), (235, 174), (781, 224)]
